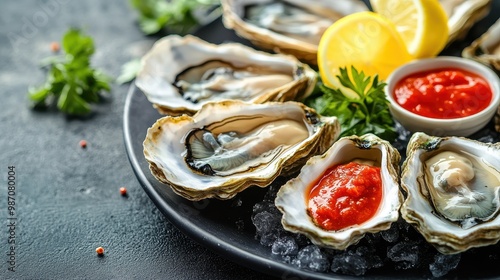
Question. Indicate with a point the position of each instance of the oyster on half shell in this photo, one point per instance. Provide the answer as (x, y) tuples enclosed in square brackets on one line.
[(486, 49), (453, 191), (289, 26), (462, 15), (292, 198), (180, 74), (229, 146)]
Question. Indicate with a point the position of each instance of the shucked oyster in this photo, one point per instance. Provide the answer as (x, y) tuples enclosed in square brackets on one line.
[(486, 49), (294, 202), (462, 14), (453, 191), (289, 26), (229, 146), (180, 74)]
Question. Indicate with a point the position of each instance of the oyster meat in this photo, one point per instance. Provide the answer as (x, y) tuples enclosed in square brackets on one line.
[(462, 15), (180, 74), (292, 198), (453, 191), (290, 26), (229, 146), (486, 49)]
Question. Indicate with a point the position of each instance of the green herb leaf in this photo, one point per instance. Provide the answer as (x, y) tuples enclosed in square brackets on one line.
[(71, 82), (129, 71), (368, 113), (179, 16), (79, 46)]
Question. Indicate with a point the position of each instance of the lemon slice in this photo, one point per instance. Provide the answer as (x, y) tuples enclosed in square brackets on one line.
[(365, 40), (423, 24)]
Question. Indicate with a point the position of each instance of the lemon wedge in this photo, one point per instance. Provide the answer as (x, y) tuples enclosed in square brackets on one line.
[(365, 40), (423, 24)]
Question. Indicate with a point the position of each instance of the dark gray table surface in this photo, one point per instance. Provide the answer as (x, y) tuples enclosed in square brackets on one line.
[(67, 198)]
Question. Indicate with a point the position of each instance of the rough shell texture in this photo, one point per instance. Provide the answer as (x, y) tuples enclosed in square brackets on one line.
[(419, 210), (463, 14), (291, 198), (173, 55), (165, 147), (234, 14), (497, 120), (486, 49)]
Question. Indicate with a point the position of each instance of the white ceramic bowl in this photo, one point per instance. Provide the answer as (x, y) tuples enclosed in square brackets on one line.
[(443, 127)]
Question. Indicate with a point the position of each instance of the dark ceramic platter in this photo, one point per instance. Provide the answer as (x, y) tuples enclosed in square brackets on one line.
[(225, 226)]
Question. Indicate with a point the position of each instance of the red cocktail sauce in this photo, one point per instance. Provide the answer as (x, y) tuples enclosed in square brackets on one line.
[(443, 93), (346, 195)]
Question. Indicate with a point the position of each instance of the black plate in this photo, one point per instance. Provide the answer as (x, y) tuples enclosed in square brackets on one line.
[(223, 226)]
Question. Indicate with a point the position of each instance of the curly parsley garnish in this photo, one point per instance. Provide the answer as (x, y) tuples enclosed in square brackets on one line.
[(366, 111), (71, 82)]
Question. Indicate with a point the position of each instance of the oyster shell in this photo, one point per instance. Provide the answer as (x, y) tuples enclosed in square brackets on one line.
[(180, 74), (289, 26), (453, 191), (292, 198), (497, 120), (486, 49), (462, 14), (229, 146)]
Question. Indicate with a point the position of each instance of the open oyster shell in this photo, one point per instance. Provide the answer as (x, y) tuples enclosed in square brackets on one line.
[(291, 199), (463, 14), (486, 49), (180, 74), (288, 26), (453, 188), (229, 146)]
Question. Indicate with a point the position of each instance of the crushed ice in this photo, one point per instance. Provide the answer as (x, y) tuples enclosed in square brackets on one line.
[(399, 248)]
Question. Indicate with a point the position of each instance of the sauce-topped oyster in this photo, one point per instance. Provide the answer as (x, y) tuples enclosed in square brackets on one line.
[(453, 191), (290, 26), (366, 199), (229, 146), (180, 74)]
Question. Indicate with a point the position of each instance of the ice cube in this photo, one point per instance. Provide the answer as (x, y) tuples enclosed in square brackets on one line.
[(268, 227), (311, 257), (285, 246), (405, 254), (370, 255), (349, 263), (443, 264), (391, 235), (356, 261)]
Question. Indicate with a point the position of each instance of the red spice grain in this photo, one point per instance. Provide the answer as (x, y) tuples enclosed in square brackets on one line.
[(123, 191), (99, 250), (55, 47), (83, 143)]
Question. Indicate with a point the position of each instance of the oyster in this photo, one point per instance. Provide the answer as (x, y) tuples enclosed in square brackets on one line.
[(229, 146), (292, 198), (453, 191), (497, 120), (462, 14), (486, 49), (290, 26), (180, 74)]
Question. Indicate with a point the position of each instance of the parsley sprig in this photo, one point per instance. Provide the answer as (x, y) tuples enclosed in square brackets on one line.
[(71, 82), (367, 111), (179, 16)]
